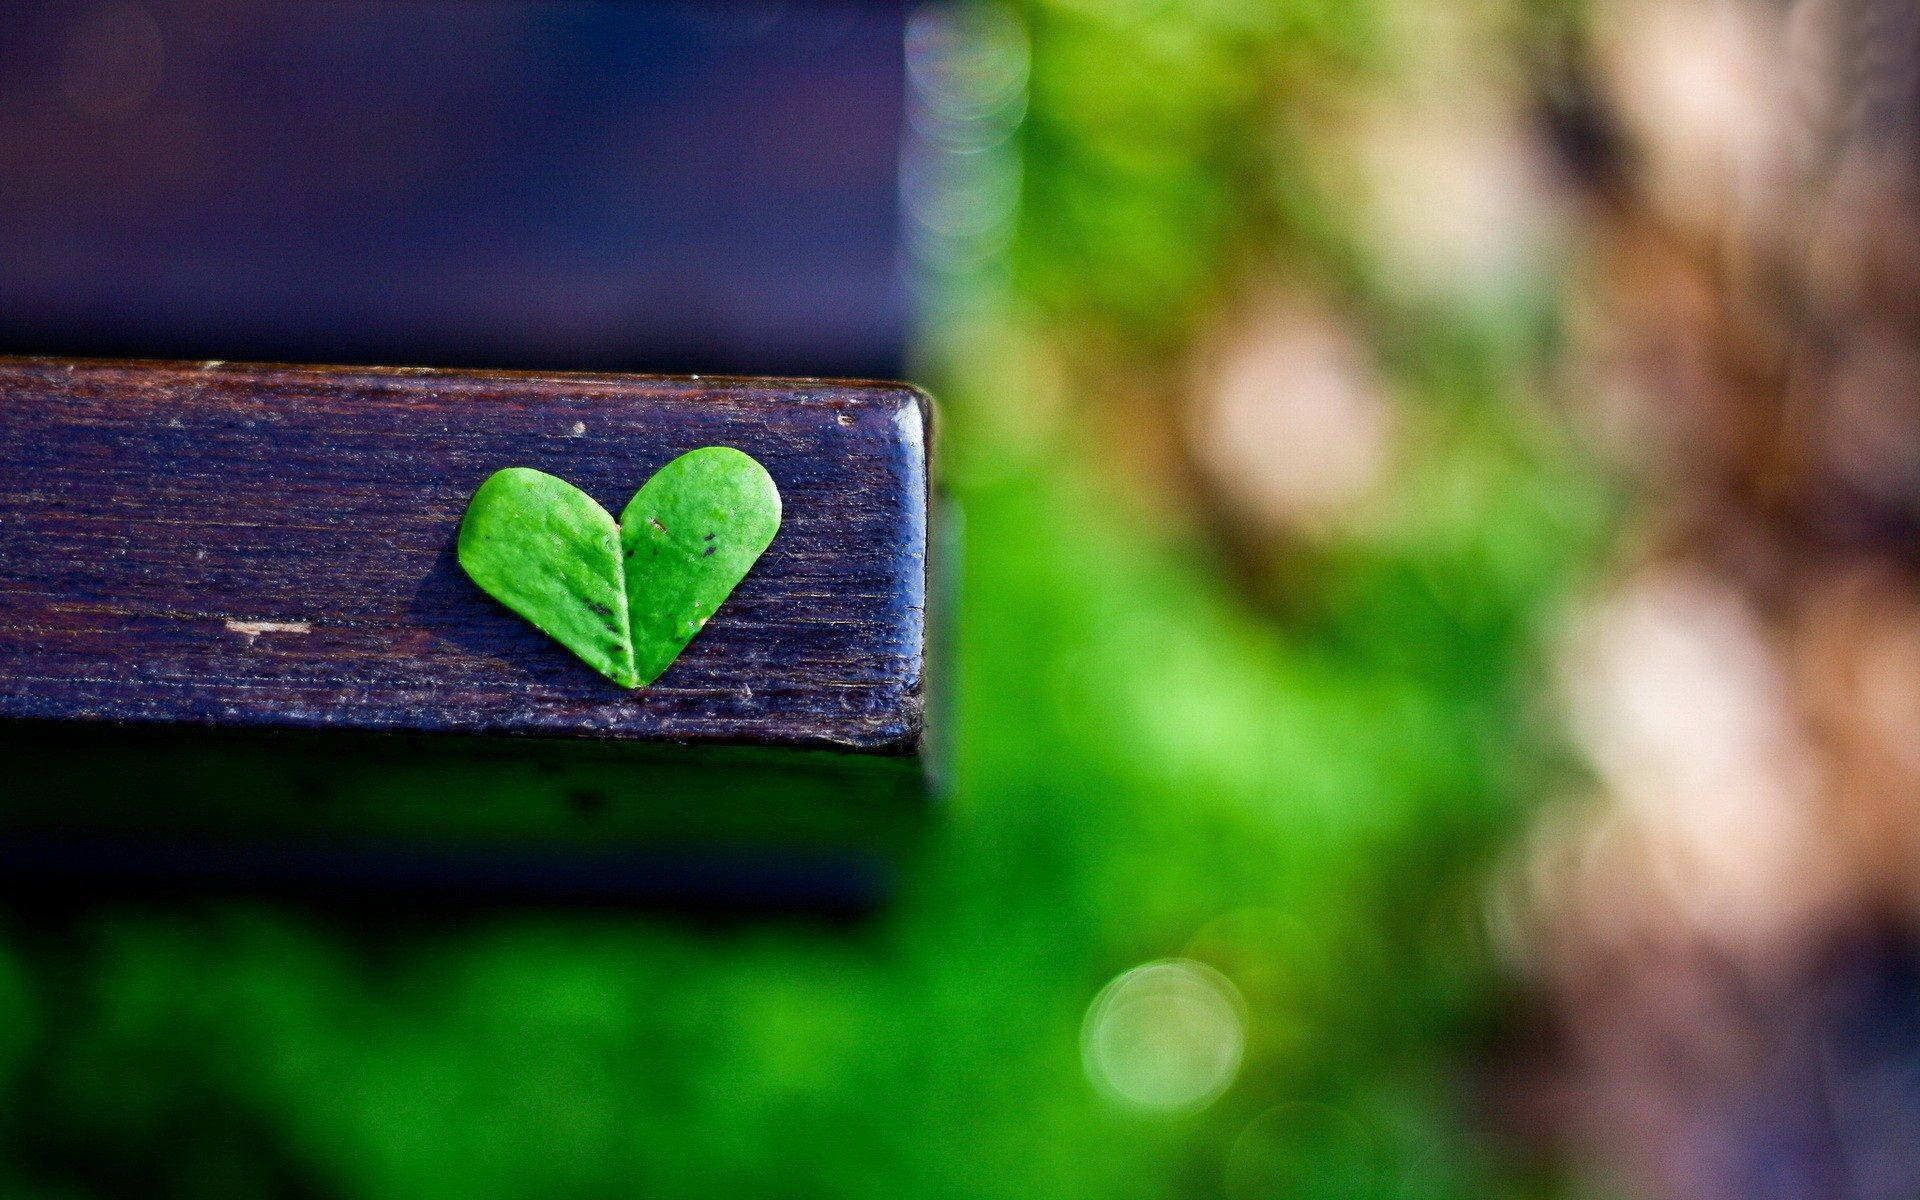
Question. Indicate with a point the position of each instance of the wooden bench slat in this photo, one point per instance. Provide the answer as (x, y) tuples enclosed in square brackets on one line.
[(270, 547)]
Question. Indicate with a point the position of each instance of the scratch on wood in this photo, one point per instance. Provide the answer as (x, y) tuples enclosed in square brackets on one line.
[(253, 629)]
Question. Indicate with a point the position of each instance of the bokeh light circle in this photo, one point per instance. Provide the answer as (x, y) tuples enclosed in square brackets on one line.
[(1164, 1037)]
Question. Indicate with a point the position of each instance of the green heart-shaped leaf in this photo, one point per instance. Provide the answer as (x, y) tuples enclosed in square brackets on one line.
[(690, 536), (543, 548), (627, 598)]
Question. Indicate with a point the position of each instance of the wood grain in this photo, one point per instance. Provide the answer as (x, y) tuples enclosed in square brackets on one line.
[(242, 547)]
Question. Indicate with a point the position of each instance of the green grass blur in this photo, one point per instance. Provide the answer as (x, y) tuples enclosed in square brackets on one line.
[(1148, 767)]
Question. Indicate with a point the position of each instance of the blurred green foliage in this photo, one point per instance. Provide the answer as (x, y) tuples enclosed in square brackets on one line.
[(1147, 768)]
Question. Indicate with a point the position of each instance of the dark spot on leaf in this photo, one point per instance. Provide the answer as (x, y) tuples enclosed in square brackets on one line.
[(709, 553), (709, 537)]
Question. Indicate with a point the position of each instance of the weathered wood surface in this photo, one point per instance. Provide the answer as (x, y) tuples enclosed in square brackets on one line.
[(263, 547)]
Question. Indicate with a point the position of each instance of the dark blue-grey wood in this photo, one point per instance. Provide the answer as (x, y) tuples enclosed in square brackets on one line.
[(273, 547)]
